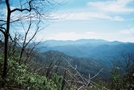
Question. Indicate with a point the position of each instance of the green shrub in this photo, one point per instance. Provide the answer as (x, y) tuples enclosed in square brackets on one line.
[(18, 76)]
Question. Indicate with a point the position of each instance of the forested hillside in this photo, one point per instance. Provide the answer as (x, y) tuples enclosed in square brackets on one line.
[(84, 65)]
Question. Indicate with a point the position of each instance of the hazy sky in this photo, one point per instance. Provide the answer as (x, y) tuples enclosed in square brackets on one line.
[(92, 19)]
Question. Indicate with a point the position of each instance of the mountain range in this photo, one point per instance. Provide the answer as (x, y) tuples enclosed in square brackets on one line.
[(97, 49)]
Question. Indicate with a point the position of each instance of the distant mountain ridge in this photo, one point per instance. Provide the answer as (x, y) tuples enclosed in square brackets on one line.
[(52, 43), (97, 49)]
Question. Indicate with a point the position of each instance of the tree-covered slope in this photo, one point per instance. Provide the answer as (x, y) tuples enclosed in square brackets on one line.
[(85, 66)]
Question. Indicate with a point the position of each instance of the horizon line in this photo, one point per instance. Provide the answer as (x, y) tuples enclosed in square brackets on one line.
[(88, 39)]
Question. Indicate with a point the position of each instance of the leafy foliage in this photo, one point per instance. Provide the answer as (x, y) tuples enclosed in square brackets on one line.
[(19, 77)]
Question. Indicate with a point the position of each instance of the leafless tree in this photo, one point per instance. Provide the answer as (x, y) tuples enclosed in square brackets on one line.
[(22, 11), (72, 78), (80, 82)]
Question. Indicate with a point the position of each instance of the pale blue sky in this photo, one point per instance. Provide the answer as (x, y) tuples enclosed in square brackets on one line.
[(92, 19)]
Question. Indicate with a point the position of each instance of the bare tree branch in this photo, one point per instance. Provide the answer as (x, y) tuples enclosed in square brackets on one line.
[(24, 9)]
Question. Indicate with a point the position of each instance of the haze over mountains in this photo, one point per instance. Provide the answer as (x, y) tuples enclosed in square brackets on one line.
[(97, 49), (52, 43)]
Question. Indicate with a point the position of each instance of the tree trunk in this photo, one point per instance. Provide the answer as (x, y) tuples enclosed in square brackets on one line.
[(6, 43)]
